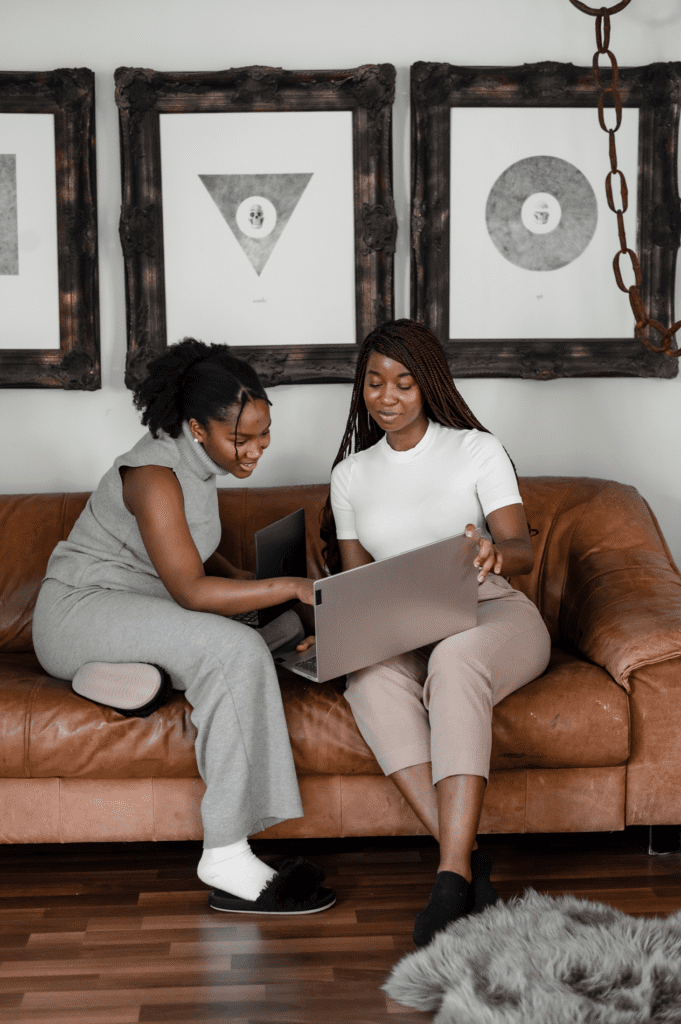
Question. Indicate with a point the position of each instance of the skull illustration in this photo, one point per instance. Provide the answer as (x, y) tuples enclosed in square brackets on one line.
[(541, 214), (256, 216)]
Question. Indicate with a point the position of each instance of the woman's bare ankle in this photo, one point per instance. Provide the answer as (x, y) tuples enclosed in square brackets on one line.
[(462, 866)]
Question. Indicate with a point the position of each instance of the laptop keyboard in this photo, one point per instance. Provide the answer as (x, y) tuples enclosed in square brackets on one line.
[(308, 664), (248, 618)]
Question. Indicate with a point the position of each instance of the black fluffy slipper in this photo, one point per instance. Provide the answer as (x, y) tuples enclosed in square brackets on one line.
[(447, 903), (295, 889), (481, 893)]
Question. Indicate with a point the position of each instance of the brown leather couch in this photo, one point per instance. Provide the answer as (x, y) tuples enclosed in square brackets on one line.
[(594, 744)]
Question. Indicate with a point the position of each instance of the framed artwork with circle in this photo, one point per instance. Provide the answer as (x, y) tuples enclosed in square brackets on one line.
[(513, 240), (257, 211)]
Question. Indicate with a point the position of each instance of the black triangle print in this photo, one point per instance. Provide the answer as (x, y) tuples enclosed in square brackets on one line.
[(257, 208)]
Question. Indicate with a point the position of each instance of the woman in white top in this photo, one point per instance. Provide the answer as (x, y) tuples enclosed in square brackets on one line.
[(422, 469)]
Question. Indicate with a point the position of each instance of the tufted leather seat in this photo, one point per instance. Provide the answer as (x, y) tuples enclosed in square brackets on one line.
[(593, 744)]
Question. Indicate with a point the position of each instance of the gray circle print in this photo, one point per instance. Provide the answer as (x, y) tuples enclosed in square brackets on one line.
[(541, 213)]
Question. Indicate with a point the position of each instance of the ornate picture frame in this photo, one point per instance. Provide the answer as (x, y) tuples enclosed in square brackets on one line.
[(73, 361), (440, 94), (367, 93)]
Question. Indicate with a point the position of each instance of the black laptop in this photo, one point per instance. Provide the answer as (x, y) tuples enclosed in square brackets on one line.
[(279, 551)]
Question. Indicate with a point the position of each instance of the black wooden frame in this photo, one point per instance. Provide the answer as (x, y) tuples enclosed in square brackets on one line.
[(142, 95), (656, 91), (69, 94)]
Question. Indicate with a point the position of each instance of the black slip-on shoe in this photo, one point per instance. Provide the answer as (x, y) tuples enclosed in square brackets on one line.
[(295, 889), (447, 903), (482, 893)]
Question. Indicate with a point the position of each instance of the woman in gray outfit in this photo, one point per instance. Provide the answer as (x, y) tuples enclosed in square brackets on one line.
[(138, 598)]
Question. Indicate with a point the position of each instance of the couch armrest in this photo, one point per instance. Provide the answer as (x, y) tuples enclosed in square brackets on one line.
[(653, 794), (622, 609)]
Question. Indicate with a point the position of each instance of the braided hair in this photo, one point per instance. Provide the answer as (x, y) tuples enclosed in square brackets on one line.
[(192, 380), (416, 347)]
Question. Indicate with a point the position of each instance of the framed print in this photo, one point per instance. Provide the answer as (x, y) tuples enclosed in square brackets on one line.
[(49, 313), (257, 211), (512, 237)]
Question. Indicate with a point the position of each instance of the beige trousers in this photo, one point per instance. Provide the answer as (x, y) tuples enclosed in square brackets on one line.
[(435, 703)]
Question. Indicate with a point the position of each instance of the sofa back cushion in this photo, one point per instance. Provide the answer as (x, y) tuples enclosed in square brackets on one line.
[(586, 528), (31, 526), (577, 521)]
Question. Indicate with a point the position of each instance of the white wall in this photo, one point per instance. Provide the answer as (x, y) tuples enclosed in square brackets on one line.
[(625, 429)]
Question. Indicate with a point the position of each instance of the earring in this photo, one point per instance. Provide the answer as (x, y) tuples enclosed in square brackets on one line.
[(196, 440)]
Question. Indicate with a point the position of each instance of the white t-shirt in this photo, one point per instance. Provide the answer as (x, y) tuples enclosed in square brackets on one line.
[(395, 501)]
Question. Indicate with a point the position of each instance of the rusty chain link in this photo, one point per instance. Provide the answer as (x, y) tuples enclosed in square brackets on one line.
[(643, 321)]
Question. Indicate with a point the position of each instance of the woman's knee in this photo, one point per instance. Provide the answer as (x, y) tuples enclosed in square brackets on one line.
[(452, 661), (249, 646), (357, 685), (367, 692), (378, 687)]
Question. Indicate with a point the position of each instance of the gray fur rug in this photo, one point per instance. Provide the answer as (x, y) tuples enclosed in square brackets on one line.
[(543, 960)]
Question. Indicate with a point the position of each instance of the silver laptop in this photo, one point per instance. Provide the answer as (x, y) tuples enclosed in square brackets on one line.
[(376, 611)]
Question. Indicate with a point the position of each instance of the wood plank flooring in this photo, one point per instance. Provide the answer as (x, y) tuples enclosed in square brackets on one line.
[(121, 933)]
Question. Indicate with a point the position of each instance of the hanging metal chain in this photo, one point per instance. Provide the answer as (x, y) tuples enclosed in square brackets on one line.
[(643, 322)]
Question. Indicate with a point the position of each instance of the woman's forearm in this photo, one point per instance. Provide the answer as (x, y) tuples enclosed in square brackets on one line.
[(230, 597), (218, 565), (510, 544), (518, 557)]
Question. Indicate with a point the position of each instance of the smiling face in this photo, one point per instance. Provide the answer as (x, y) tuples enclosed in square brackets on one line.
[(236, 450), (393, 399)]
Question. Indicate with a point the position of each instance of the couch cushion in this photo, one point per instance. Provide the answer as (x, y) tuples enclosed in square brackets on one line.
[(574, 716), (572, 518), (47, 730), (31, 526)]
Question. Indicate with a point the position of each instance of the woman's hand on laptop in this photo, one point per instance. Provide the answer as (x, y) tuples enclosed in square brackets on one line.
[(307, 642), (510, 546), (488, 557), (303, 589)]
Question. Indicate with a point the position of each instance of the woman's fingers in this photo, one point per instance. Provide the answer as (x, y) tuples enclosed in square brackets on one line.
[(486, 567), (484, 548), (307, 642), (488, 558)]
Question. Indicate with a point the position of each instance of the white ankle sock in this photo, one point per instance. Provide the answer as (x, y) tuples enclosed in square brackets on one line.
[(235, 869)]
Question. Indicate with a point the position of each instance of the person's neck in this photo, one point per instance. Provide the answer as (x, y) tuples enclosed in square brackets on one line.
[(409, 437)]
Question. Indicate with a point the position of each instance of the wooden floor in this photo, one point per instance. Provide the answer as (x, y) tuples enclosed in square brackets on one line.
[(118, 933)]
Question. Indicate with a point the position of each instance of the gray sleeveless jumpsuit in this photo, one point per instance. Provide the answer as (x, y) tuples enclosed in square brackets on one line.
[(102, 600)]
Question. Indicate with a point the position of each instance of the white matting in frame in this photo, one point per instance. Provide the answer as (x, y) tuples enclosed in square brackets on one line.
[(493, 295), (276, 265), (29, 272)]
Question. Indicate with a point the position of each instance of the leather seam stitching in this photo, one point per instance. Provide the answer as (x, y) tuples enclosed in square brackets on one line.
[(527, 774), (28, 730), (542, 565)]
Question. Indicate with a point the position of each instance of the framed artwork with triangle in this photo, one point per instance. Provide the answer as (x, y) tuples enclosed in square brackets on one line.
[(257, 210)]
